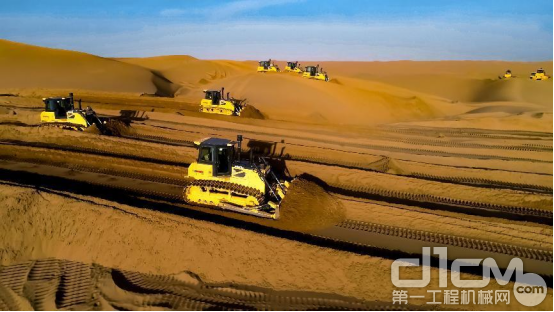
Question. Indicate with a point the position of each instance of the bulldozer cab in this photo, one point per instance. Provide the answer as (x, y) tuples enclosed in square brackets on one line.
[(59, 106), (312, 70), (219, 153), (292, 65), (265, 64), (215, 96), (540, 71)]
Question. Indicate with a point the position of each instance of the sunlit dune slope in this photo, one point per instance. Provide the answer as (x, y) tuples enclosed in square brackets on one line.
[(26, 66), (359, 93), (465, 81), (341, 101)]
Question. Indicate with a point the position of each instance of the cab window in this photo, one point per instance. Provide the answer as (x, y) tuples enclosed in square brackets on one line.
[(223, 160), (50, 105), (205, 155)]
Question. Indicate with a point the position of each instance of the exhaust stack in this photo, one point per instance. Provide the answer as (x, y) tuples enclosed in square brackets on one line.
[(239, 145)]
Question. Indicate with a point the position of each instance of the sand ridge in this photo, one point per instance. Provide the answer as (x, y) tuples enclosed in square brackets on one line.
[(359, 93)]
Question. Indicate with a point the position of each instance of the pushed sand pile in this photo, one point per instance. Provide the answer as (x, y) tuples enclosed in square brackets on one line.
[(307, 207), (251, 112), (117, 127)]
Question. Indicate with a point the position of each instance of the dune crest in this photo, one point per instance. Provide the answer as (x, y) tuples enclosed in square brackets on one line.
[(27, 66), (359, 93)]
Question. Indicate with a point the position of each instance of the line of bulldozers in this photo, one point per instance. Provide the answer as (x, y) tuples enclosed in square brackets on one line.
[(540, 74), (310, 72), (220, 176)]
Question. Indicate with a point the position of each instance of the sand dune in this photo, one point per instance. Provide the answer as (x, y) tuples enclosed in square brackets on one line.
[(189, 71), (465, 81), (359, 93), (26, 66), (352, 101)]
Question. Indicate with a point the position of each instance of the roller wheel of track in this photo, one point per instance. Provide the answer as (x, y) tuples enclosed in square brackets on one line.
[(225, 187)]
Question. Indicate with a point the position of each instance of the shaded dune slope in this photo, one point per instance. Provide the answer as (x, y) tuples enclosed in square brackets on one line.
[(189, 71)]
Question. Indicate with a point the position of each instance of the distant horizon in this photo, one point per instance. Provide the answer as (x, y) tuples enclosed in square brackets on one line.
[(325, 30), (277, 60)]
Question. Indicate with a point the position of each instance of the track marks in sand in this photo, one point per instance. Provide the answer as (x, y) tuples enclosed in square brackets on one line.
[(52, 284)]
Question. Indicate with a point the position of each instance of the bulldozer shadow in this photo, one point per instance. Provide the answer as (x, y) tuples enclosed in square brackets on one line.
[(265, 148), (133, 115), (270, 151), (277, 159)]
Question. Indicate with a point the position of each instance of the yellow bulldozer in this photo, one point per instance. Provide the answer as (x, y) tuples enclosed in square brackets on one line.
[(61, 112), (540, 74), (314, 72), (293, 67), (267, 67), (507, 75), (222, 179), (215, 102)]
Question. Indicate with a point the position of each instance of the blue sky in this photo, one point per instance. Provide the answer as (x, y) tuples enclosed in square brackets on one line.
[(288, 29)]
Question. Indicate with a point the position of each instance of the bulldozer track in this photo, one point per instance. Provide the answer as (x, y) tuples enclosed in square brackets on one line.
[(93, 151), (523, 147), (344, 189), (113, 172), (445, 239), (377, 166), (418, 151), (381, 166), (173, 203), (63, 125), (9, 301), (158, 139), (422, 151), (483, 182), (222, 185), (461, 132), (75, 285), (205, 296), (48, 288), (370, 192)]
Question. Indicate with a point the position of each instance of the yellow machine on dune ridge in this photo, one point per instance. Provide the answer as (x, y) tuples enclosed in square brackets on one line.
[(539, 75), (61, 112), (222, 179), (314, 72), (267, 67), (507, 75), (215, 102), (293, 67)]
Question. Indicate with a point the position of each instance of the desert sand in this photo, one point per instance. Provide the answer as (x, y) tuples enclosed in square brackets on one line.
[(444, 148)]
